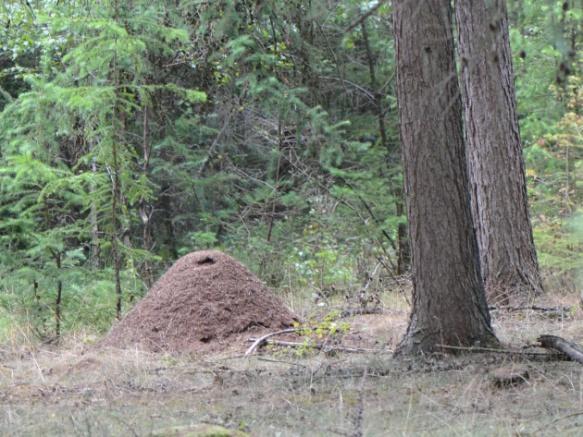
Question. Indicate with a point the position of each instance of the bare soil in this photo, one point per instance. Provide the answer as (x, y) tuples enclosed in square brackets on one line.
[(202, 300)]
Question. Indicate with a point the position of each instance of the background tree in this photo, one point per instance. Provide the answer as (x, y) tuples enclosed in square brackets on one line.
[(496, 168), (546, 38), (449, 305), (255, 128), (280, 165)]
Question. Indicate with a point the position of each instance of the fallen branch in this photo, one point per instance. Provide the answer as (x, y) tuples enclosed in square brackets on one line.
[(324, 347), (257, 343), (360, 311), (477, 349), (548, 311), (570, 349)]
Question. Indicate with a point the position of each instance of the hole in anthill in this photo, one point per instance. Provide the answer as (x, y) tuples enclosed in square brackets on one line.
[(206, 260)]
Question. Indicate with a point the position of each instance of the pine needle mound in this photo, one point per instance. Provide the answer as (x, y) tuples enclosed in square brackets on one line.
[(203, 299)]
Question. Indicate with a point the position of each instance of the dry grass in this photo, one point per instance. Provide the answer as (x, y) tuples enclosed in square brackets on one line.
[(77, 389)]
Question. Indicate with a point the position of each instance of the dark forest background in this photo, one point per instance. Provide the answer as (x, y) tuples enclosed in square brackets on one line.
[(134, 132)]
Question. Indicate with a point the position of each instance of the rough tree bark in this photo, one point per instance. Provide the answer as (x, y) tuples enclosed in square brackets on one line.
[(494, 151), (449, 304)]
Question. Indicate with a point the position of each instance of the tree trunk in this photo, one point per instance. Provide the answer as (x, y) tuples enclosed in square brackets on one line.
[(449, 305), (57, 256), (115, 250), (93, 219), (403, 255), (116, 188), (494, 151), (145, 207)]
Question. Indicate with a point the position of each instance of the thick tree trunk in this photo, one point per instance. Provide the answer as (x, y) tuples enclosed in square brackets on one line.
[(449, 305), (499, 202)]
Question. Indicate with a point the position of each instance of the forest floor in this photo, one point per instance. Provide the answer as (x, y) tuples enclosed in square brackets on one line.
[(78, 389)]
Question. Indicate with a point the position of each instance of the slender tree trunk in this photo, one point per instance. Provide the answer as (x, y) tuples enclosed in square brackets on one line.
[(403, 252), (449, 305), (35, 293), (404, 255), (58, 298), (93, 220), (494, 151), (276, 179), (116, 189), (146, 209), (115, 251), (378, 97)]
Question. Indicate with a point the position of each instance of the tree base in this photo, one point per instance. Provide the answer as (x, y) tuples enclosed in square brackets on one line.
[(418, 343)]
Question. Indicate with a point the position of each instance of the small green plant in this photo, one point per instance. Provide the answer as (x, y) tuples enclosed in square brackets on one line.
[(317, 333)]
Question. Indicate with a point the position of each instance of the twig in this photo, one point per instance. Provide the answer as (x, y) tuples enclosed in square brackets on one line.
[(370, 277), (365, 16), (40, 372), (211, 149), (263, 339), (360, 88)]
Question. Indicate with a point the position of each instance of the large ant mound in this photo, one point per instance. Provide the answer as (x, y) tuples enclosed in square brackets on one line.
[(201, 300)]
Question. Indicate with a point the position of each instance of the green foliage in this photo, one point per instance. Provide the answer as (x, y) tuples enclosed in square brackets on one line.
[(134, 132), (555, 172), (66, 142), (544, 37), (328, 330)]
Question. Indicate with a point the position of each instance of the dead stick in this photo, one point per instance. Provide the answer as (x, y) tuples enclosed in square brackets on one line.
[(494, 350), (321, 346), (568, 348), (262, 340), (359, 311), (558, 310)]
